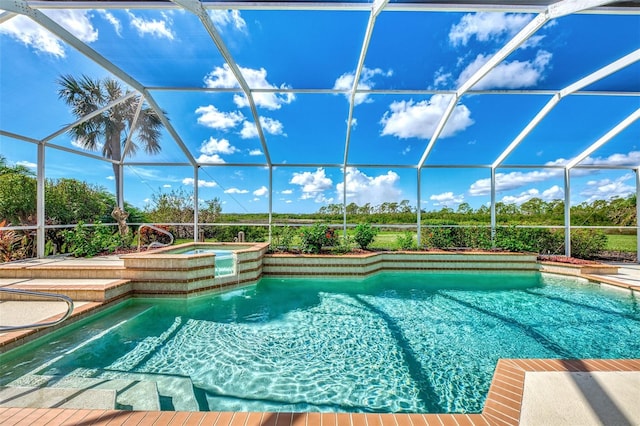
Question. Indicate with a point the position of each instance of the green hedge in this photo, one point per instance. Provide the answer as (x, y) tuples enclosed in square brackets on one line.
[(585, 243)]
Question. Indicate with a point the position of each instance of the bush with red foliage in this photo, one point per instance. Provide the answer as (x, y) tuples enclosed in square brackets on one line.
[(149, 235)]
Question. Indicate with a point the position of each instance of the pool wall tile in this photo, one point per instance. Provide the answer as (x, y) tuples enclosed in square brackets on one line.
[(364, 265)]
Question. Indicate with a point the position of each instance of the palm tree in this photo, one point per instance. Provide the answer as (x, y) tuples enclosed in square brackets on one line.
[(109, 130), (5, 168)]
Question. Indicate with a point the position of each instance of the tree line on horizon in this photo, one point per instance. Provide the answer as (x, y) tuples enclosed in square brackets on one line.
[(68, 201)]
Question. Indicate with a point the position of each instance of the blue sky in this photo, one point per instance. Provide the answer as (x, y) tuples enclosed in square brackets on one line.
[(425, 53)]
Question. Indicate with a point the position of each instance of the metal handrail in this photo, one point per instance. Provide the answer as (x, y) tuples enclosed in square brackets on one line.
[(62, 297), (154, 243)]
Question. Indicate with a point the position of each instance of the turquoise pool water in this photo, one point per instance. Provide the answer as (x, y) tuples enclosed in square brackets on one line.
[(225, 260), (418, 342)]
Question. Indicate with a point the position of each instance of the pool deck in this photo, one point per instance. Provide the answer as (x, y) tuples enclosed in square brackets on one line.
[(523, 391)]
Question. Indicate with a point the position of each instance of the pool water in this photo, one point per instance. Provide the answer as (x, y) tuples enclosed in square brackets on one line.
[(409, 342), (225, 260)]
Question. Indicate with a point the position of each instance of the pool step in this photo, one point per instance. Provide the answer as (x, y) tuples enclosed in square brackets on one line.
[(129, 394), (177, 391), (84, 289), (35, 397)]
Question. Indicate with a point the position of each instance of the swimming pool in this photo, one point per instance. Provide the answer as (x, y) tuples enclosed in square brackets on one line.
[(409, 342)]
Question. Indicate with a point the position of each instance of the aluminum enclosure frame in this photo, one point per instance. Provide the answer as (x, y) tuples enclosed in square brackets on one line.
[(545, 10)]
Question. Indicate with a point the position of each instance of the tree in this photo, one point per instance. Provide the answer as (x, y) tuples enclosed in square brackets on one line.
[(210, 210), (17, 193), (5, 168), (464, 208), (18, 198), (111, 128)]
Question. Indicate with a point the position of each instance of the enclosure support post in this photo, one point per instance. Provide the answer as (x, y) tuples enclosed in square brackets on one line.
[(637, 215), (270, 202), (419, 210), (493, 207), (196, 202), (120, 190), (344, 202), (40, 214), (567, 213)]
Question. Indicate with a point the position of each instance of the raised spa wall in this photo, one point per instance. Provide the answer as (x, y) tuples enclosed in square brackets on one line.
[(167, 272)]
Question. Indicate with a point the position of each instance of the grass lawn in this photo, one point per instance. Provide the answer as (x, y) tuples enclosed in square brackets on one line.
[(388, 240), (621, 243)]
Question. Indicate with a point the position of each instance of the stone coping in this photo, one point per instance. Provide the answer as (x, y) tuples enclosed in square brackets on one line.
[(578, 269), (170, 251)]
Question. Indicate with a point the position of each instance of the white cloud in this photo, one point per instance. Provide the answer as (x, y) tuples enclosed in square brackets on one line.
[(215, 158), (508, 75), (287, 192), (210, 116), (631, 158), (532, 42), (447, 199), (225, 18), (522, 197), (217, 146), (486, 26), (261, 192), (363, 189), (606, 189), (409, 119), (77, 22), (201, 183), (345, 82), (111, 178), (235, 191), (269, 125), (26, 31), (515, 180), (166, 185), (222, 77), (255, 152), (109, 17), (27, 164), (313, 184), (553, 193), (512, 180), (249, 130), (442, 78), (154, 27)]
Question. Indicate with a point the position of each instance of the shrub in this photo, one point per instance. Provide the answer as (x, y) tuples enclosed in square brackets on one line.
[(364, 235), (405, 241), (282, 238), (342, 244), (537, 240), (8, 240), (587, 243), (313, 238), (457, 237), (83, 242), (149, 235)]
